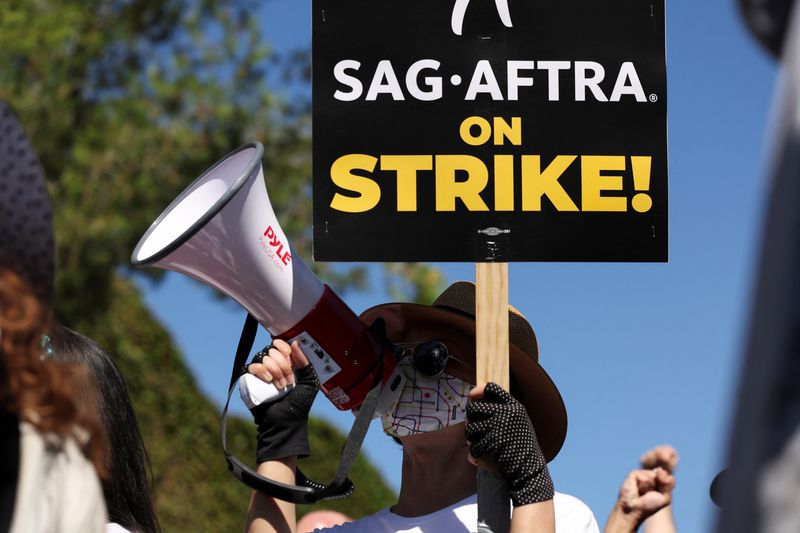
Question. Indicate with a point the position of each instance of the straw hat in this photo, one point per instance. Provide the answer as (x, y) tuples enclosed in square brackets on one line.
[(455, 307), (26, 229)]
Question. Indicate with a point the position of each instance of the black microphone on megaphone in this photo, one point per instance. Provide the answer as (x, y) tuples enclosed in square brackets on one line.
[(222, 230)]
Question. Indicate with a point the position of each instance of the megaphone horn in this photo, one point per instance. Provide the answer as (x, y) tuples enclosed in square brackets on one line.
[(222, 230)]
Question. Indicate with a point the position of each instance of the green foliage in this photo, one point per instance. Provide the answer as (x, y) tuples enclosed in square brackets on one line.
[(126, 101)]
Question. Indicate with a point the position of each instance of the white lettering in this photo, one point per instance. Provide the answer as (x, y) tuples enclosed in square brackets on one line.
[(423, 82), (582, 82), (515, 81), (346, 79), (385, 82), (483, 71), (552, 68), (627, 72), (434, 82)]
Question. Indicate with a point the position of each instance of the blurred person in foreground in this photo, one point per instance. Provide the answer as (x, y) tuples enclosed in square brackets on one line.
[(127, 487), (441, 447), (646, 495), (47, 483)]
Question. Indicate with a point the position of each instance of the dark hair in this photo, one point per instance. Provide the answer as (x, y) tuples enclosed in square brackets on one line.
[(127, 488)]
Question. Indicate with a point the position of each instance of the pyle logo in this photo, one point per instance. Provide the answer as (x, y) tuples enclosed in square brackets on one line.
[(276, 249), (460, 8)]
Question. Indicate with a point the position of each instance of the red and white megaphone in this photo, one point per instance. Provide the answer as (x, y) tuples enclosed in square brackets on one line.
[(222, 231)]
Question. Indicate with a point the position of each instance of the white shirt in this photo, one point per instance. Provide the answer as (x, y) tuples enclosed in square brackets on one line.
[(572, 516), (58, 490)]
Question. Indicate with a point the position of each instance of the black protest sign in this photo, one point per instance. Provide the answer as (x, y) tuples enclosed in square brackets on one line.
[(489, 130)]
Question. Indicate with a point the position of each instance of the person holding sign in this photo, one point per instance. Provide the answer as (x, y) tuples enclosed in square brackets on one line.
[(445, 425)]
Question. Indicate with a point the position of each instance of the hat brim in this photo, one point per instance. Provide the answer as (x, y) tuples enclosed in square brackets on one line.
[(541, 398)]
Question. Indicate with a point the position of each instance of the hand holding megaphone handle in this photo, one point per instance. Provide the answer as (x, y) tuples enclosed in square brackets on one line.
[(257, 358), (253, 390), (306, 491)]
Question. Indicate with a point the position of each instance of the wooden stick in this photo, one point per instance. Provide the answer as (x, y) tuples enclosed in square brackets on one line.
[(491, 323), (491, 364)]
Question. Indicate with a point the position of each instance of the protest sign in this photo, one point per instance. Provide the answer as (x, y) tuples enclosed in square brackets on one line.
[(489, 131)]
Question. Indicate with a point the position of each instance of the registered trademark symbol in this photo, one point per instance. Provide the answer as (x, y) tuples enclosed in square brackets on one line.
[(653, 97)]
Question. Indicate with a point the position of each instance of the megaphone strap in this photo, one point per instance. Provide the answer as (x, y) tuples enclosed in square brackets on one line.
[(246, 340), (306, 490)]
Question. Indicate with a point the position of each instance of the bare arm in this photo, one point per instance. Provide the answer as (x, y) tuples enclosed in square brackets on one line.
[(622, 521), (661, 522), (267, 514), (534, 518), (282, 434)]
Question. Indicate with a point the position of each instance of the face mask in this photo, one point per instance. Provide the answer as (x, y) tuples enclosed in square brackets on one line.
[(425, 403)]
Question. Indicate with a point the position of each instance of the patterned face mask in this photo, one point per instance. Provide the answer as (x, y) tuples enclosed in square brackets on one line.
[(425, 403)]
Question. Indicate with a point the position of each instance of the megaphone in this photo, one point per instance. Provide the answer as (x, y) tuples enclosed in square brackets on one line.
[(222, 231)]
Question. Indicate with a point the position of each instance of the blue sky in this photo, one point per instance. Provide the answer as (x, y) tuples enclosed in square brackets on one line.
[(642, 353)]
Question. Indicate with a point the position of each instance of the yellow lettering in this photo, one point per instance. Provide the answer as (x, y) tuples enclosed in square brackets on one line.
[(466, 131), (469, 190), (369, 192), (406, 167), (512, 132), (593, 183), (536, 183), (464, 178), (504, 183)]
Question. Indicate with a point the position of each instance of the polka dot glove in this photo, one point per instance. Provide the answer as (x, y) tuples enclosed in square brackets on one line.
[(498, 429), (283, 424)]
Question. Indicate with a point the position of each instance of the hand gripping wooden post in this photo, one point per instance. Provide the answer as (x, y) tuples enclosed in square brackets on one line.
[(491, 364)]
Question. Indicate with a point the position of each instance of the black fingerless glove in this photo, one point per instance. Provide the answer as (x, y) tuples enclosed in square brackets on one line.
[(283, 423), (498, 428)]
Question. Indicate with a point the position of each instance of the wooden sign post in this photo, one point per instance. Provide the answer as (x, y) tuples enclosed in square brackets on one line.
[(491, 364), (491, 328)]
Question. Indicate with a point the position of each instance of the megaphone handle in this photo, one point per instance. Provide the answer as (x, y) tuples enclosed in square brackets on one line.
[(255, 391)]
